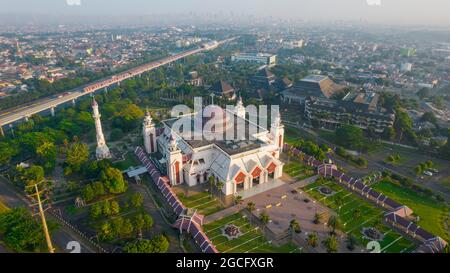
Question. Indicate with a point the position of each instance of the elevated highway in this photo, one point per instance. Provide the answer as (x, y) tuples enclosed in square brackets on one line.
[(24, 112)]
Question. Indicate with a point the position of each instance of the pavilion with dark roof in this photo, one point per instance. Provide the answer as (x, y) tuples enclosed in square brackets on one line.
[(318, 86)]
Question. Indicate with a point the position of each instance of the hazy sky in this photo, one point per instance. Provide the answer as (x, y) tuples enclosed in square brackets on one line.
[(381, 11)]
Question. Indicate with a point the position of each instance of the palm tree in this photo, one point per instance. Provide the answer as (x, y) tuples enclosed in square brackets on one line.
[(290, 153), (251, 206), (334, 223), (219, 186), (312, 239), (317, 218), (331, 244), (211, 184), (264, 217), (351, 242), (294, 226), (238, 200)]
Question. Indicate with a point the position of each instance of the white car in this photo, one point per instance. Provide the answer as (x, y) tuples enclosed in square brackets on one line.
[(428, 173)]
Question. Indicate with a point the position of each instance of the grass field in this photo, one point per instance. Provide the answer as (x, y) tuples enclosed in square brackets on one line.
[(202, 202), (431, 212), (130, 160), (294, 135), (366, 215), (297, 170), (251, 240)]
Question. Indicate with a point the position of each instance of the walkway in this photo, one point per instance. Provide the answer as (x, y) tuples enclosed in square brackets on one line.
[(273, 183)]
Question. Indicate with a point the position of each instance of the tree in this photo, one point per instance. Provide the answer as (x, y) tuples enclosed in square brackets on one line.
[(106, 208), (331, 244), (403, 124), (219, 186), (76, 155), (20, 231), (126, 229), (389, 133), (349, 136), (317, 218), (238, 200), (295, 226), (113, 181), (428, 117), (31, 175), (96, 210), (264, 217), (312, 239), (116, 134), (418, 170), (158, 244), (115, 207), (211, 181), (445, 149), (98, 188), (106, 232), (129, 117), (7, 151), (334, 223), (88, 193), (251, 206), (46, 155), (351, 242), (137, 200), (142, 222)]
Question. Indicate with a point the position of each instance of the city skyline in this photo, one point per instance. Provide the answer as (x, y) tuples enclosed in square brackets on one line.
[(414, 12)]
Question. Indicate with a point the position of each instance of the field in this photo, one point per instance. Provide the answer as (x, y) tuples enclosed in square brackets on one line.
[(293, 135), (201, 202), (297, 170), (130, 160), (251, 240), (356, 213), (431, 212)]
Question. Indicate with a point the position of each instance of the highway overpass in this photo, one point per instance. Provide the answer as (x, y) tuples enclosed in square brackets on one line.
[(24, 112)]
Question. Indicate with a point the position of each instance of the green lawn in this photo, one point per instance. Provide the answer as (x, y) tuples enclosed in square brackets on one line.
[(297, 170), (201, 202), (130, 160), (293, 135), (353, 222), (431, 212), (251, 239)]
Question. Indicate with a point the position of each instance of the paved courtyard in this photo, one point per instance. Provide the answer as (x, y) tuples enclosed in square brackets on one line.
[(283, 204)]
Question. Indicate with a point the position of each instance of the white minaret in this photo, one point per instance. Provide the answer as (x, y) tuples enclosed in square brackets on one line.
[(174, 164), (277, 131), (102, 150), (239, 109), (149, 133)]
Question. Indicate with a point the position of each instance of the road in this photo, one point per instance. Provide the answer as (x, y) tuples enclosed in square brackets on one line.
[(11, 115), (60, 238)]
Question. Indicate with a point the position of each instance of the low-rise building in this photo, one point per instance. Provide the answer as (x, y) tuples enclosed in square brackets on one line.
[(262, 58), (359, 109), (318, 86)]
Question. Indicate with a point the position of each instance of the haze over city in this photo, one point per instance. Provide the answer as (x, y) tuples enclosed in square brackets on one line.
[(416, 12)]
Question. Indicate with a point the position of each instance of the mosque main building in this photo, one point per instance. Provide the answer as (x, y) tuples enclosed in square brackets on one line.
[(238, 163)]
